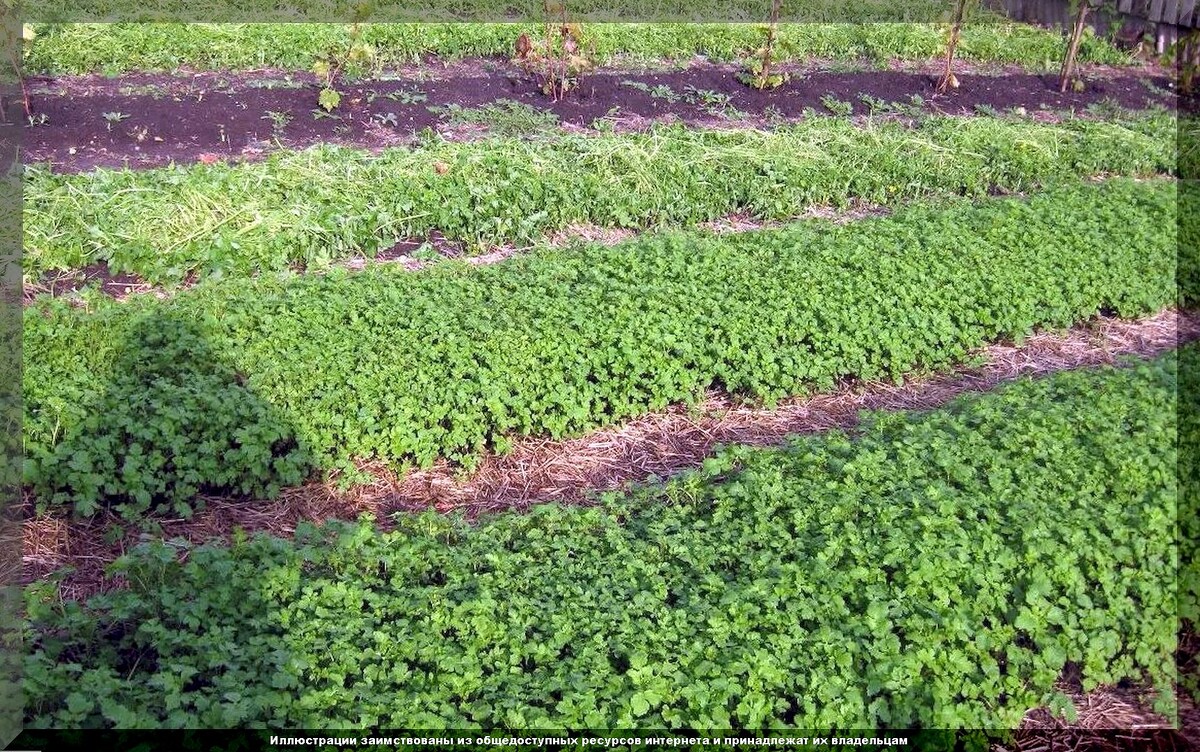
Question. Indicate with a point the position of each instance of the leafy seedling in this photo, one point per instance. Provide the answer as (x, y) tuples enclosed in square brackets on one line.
[(837, 106), (114, 117), (408, 96), (759, 70)]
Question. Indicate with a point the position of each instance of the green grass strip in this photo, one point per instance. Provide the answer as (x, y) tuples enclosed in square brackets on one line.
[(935, 570), (244, 384), (117, 48), (327, 203)]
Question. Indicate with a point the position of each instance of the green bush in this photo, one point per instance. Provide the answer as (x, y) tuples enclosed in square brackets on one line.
[(938, 570), (449, 362), (319, 205)]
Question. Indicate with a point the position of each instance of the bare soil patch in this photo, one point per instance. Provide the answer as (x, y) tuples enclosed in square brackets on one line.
[(151, 120)]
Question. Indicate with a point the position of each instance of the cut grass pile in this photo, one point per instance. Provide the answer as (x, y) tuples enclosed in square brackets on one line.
[(319, 205), (116, 48), (241, 385), (936, 570)]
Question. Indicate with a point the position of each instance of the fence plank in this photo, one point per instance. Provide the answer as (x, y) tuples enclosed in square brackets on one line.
[(1187, 13)]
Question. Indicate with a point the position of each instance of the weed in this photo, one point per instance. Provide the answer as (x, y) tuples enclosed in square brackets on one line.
[(504, 117), (279, 120), (986, 110), (386, 118), (837, 106), (1106, 108), (153, 91), (875, 105), (408, 95), (39, 119), (114, 117), (658, 91), (426, 252), (279, 123), (319, 114), (273, 83), (713, 102)]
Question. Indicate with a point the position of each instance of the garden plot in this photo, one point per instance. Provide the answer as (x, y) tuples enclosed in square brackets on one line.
[(281, 374), (154, 120)]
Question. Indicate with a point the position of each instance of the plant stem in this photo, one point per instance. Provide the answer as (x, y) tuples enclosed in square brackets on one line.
[(960, 8), (769, 47), (1068, 65)]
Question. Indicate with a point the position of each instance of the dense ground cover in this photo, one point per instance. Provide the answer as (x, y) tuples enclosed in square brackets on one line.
[(115, 48), (319, 205), (241, 385), (936, 570)]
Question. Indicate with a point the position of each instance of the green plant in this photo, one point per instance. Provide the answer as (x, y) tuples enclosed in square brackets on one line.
[(505, 118), (39, 119), (387, 364), (875, 105), (837, 106), (310, 207), (408, 95), (658, 91), (335, 61), (935, 570), (386, 118), (759, 71), (1067, 76), (114, 117), (560, 58), (279, 122)]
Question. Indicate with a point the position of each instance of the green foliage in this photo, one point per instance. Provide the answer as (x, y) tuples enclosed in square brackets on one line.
[(115, 48), (1189, 504), (937, 570), (351, 56), (391, 364), (172, 421), (315, 206), (504, 118)]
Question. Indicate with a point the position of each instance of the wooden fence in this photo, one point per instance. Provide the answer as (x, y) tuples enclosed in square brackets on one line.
[(1165, 20)]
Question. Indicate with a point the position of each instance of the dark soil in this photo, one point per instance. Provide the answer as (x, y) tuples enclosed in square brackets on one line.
[(209, 117), (98, 274)]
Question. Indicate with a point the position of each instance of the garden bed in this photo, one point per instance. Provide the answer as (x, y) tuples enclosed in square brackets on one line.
[(148, 120)]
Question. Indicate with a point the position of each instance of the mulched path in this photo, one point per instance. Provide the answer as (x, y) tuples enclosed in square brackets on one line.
[(150, 120)]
